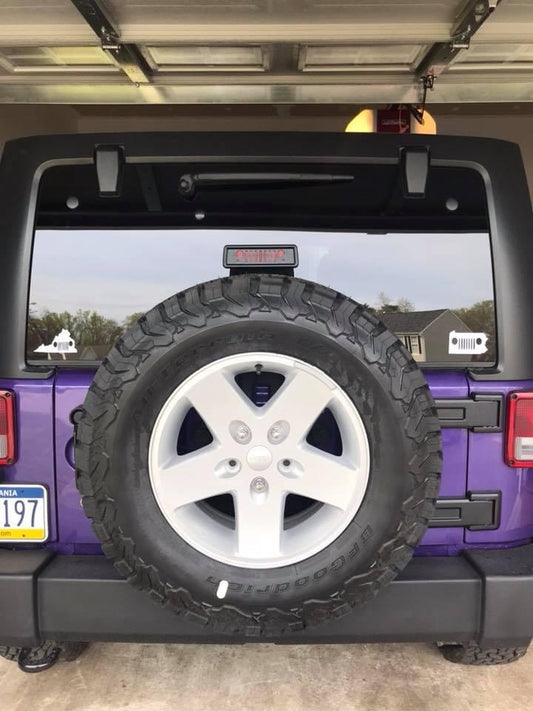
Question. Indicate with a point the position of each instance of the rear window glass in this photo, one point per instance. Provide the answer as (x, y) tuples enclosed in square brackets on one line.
[(89, 285), (421, 264)]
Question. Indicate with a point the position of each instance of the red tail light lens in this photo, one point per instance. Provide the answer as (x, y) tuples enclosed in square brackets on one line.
[(519, 449), (7, 427)]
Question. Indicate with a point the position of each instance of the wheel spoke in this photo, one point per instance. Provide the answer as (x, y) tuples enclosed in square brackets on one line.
[(300, 400), (324, 478), (217, 398), (259, 523), (192, 477)]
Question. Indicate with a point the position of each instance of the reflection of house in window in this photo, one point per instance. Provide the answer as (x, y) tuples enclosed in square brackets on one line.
[(413, 344), (425, 333), (97, 352)]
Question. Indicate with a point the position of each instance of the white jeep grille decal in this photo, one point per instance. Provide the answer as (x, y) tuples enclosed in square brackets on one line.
[(467, 343)]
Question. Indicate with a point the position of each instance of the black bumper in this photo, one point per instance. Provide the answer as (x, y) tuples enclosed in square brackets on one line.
[(482, 595)]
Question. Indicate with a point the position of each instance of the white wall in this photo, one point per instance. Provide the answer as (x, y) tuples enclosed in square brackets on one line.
[(20, 120)]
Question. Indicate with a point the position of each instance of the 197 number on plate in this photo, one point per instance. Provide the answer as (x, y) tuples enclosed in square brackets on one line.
[(23, 513)]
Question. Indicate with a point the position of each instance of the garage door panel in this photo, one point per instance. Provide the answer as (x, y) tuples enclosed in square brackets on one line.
[(273, 51)]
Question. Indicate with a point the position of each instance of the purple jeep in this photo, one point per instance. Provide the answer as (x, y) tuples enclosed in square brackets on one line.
[(265, 387)]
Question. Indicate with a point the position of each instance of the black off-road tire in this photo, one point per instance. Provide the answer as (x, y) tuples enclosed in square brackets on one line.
[(66, 651), (226, 317), (474, 655)]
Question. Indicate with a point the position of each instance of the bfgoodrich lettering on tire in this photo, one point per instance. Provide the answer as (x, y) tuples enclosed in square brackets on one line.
[(260, 454)]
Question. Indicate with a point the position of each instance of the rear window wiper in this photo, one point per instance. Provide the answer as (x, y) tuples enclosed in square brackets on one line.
[(189, 183)]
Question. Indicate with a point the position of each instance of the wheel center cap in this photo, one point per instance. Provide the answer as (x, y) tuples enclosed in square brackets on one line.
[(259, 458)]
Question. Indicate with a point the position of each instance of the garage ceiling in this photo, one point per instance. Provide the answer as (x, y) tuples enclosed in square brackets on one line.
[(264, 51)]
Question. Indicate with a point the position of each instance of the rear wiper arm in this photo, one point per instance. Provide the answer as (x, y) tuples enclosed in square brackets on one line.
[(190, 182)]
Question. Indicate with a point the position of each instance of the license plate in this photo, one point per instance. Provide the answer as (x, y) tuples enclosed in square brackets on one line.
[(23, 513)]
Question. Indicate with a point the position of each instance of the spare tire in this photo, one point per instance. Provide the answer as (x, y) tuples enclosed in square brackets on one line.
[(259, 453)]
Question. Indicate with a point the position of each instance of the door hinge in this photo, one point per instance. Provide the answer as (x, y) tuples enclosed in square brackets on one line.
[(478, 511), (480, 413)]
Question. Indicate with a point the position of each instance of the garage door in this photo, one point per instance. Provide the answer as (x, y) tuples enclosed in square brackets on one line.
[(265, 51)]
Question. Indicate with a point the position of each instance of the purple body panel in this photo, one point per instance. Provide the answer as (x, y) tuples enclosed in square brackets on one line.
[(472, 462), (35, 439), (74, 526), (487, 471)]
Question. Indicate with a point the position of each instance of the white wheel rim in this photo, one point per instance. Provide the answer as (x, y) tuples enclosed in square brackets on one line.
[(259, 455)]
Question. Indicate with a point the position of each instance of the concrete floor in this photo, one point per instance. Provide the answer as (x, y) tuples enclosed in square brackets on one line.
[(263, 677)]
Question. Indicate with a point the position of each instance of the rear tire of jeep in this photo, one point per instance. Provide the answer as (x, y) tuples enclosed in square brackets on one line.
[(64, 651), (474, 655), (190, 557), (10, 653)]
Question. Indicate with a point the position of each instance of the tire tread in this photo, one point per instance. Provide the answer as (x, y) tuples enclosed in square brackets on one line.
[(294, 299), (10, 653), (473, 654)]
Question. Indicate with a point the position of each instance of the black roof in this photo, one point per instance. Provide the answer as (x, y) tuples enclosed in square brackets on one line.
[(411, 321)]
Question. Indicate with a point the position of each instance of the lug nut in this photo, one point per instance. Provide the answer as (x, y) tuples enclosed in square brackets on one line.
[(227, 468), (240, 432), (259, 484), (278, 432)]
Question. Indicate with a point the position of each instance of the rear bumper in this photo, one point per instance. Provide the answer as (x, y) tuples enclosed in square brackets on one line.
[(481, 595)]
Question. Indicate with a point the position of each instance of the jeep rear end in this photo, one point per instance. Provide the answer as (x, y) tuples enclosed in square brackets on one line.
[(388, 275)]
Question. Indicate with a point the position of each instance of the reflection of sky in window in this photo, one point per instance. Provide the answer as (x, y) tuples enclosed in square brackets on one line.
[(123, 271)]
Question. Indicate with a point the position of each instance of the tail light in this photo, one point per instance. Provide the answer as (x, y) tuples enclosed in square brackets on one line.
[(519, 448), (7, 427)]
